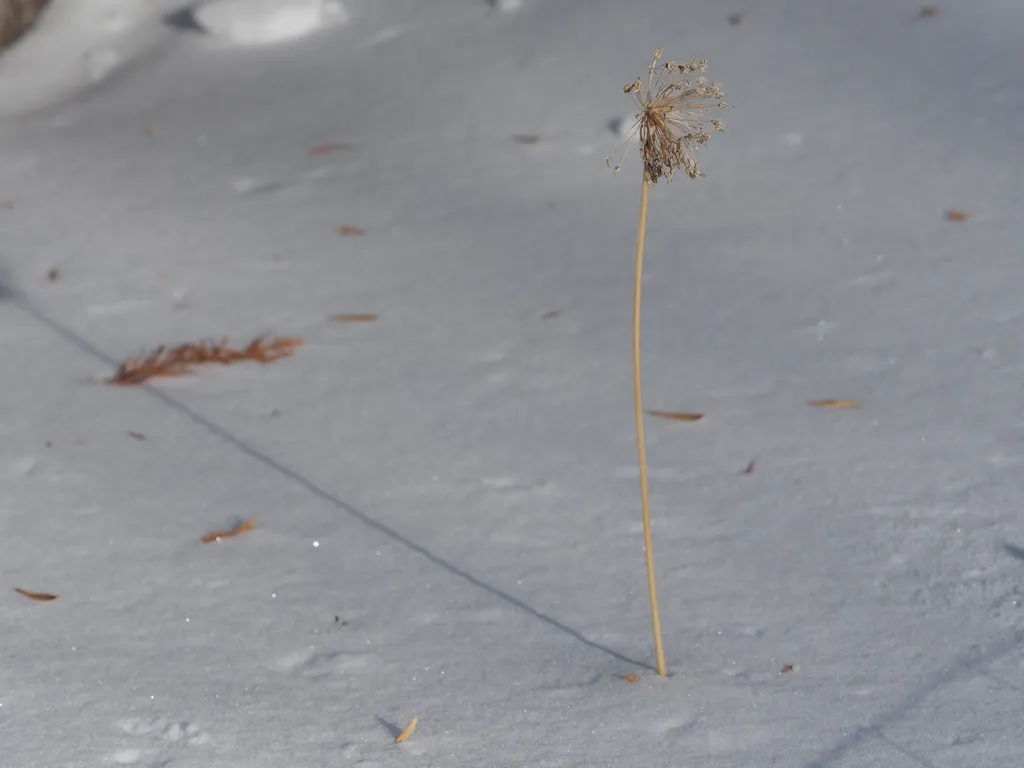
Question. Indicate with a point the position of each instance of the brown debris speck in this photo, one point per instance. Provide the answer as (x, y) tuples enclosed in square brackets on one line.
[(245, 527), (354, 317), (43, 597), (329, 148), (349, 231), (735, 19)]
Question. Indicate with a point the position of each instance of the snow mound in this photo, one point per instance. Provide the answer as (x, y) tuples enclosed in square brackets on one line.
[(74, 46), (262, 22)]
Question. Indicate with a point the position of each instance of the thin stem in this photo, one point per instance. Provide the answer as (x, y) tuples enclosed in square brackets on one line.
[(640, 444)]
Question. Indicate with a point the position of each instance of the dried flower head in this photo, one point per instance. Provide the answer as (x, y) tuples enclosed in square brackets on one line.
[(672, 120)]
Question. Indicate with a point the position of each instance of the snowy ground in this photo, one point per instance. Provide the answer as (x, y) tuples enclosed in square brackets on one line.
[(446, 499)]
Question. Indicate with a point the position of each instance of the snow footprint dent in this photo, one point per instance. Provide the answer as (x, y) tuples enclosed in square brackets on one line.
[(265, 22)]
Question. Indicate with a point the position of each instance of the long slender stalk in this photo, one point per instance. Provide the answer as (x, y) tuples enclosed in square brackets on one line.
[(640, 444)]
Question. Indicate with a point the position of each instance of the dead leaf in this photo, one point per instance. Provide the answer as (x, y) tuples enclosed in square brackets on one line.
[(836, 404), (329, 148), (954, 215), (136, 435), (551, 313), (52, 274), (786, 669), (248, 525), (677, 415), (526, 138), (632, 678), (181, 360), (408, 731), (750, 467), (349, 231), (927, 11), (355, 317), (40, 596), (735, 19)]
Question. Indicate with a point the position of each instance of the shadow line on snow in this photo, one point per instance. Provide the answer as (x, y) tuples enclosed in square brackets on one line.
[(86, 346), (970, 663)]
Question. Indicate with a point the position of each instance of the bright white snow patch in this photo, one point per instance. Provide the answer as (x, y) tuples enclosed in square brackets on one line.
[(507, 5), (73, 46), (260, 22)]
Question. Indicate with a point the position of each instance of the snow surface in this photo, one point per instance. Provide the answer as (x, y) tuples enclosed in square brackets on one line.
[(446, 499)]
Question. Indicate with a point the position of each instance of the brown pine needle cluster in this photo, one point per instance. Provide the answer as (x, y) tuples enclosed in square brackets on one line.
[(672, 119), (182, 360)]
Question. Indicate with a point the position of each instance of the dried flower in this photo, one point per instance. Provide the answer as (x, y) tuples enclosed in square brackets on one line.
[(672, 120)]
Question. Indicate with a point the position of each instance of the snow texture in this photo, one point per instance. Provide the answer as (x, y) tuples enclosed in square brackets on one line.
[(446, 499)]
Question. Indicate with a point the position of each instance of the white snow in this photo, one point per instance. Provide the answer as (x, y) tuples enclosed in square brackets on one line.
[(259, 22), (446, 501)]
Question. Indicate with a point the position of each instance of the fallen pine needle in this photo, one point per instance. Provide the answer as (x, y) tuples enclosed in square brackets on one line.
[(41, 596), (677, 416), (834, 403), (632, 678), (408, 731), (329, 148), (182, 360), (355, 317), (248, 525)]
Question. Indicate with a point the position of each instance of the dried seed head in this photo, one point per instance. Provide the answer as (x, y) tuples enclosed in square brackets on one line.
[(672, 120)]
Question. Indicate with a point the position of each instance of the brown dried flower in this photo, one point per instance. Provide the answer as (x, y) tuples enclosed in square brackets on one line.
[(672, 120)]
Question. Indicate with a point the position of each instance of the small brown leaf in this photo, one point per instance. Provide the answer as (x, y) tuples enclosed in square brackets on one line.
[(786, 669), (136, 435), (954, 215), (836, 404), (408, 731), (750, 467), (350, 231), (632, 678), (40, 596), (677, 415), (248, 525), (329, 148), (355, 317), (526, 138), (927, 11)]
